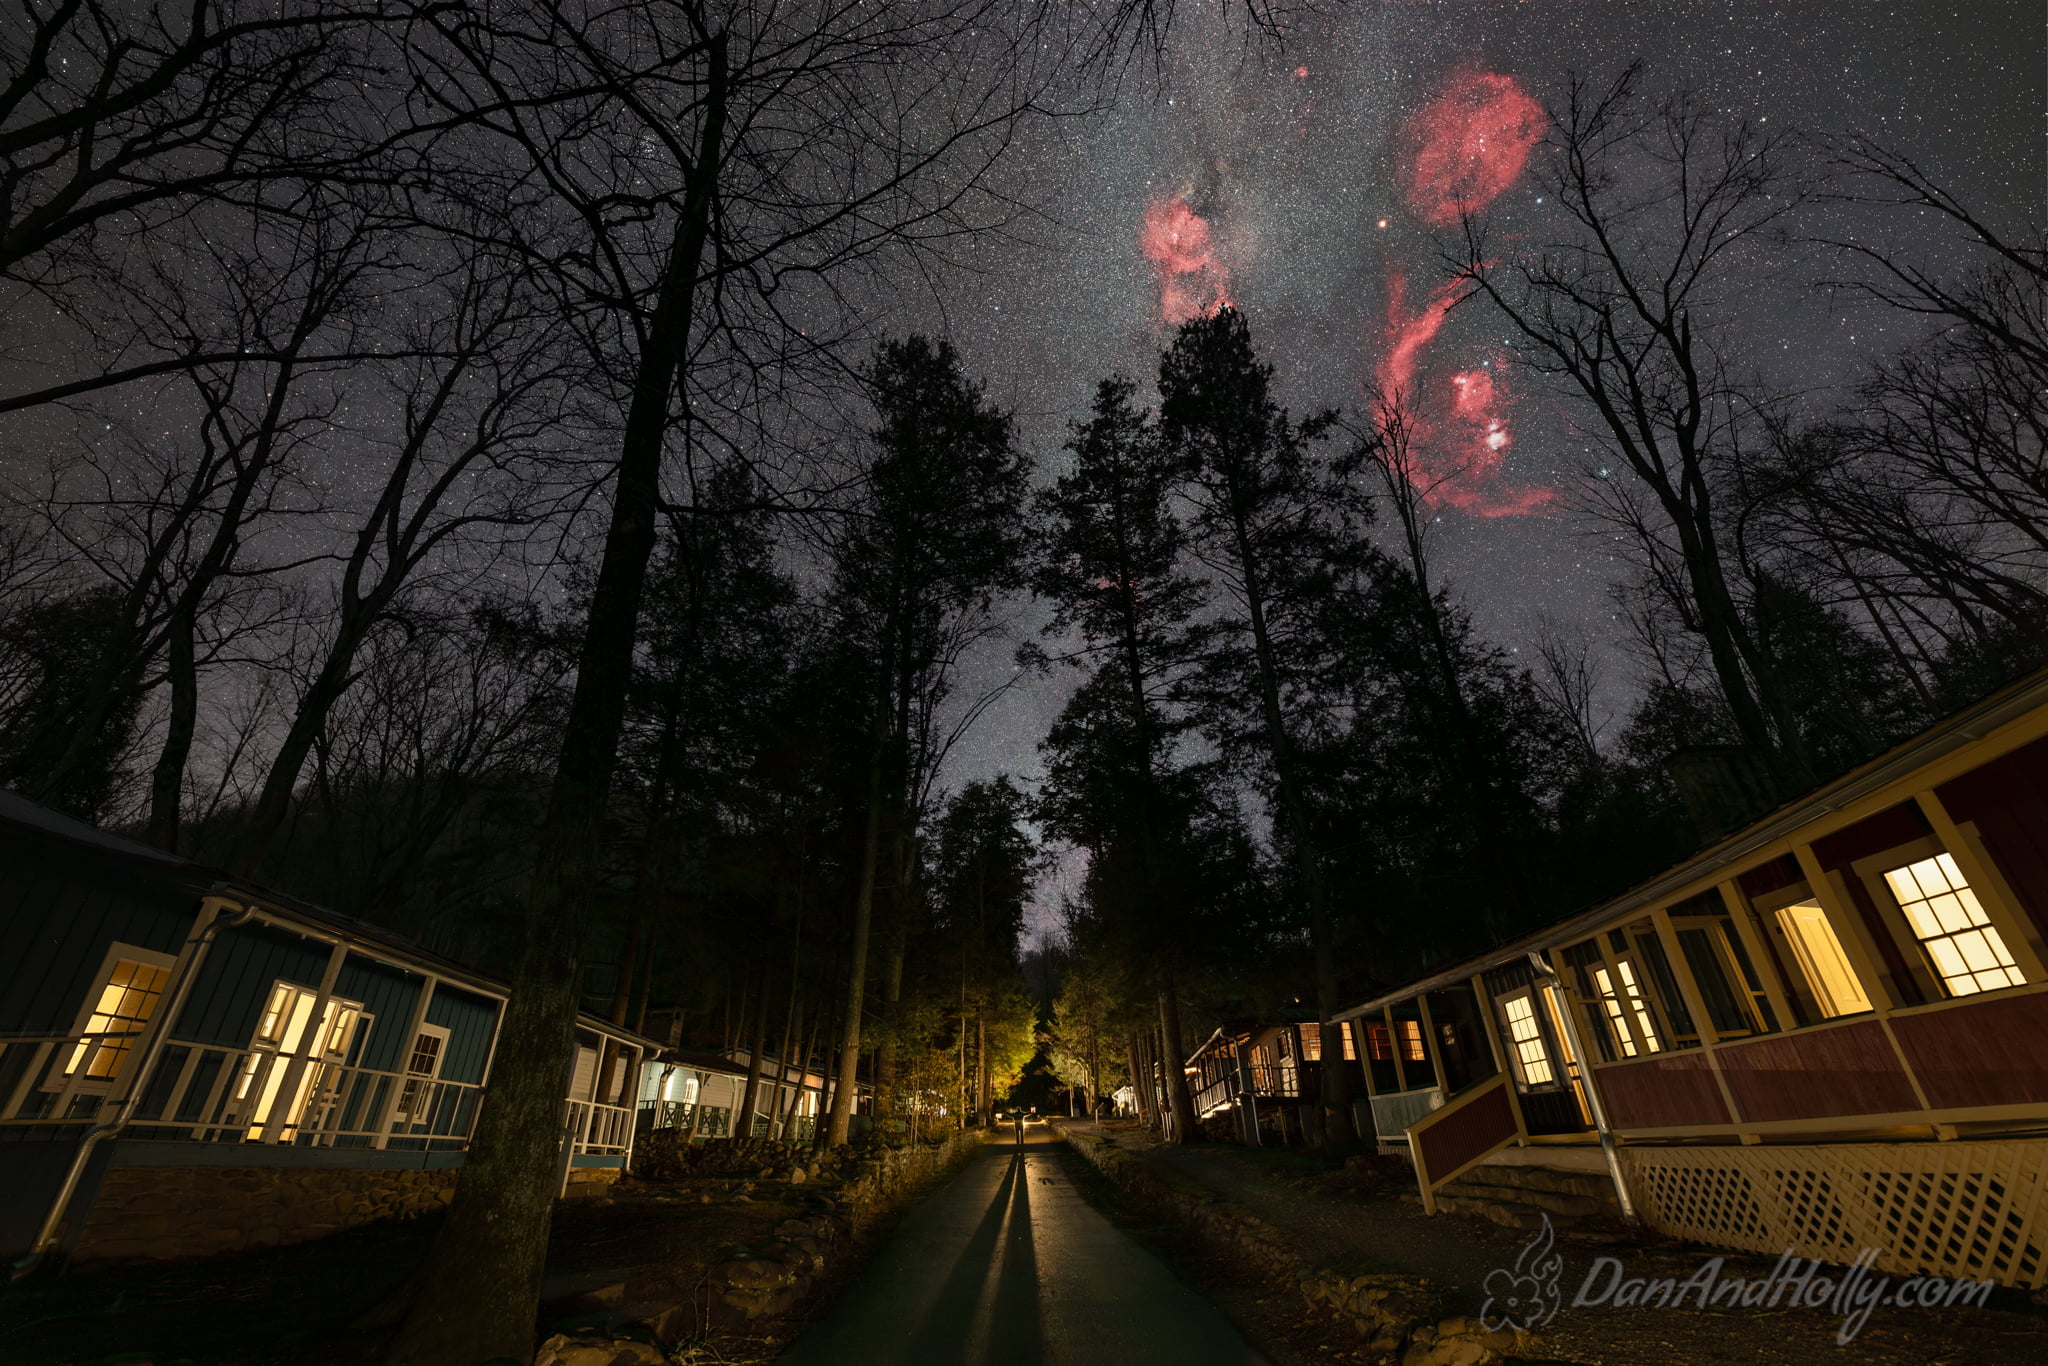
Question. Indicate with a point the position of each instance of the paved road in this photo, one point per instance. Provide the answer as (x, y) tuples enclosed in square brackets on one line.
[(1007, 1265)]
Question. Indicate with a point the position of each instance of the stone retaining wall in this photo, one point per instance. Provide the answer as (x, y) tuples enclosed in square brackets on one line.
[(154, 1213)]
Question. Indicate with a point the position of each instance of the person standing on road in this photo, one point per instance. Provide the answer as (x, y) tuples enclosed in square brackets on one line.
[(1017, 1122)]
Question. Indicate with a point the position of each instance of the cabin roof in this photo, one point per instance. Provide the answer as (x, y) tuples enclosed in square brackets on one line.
[(52, 828), (1944, 737)]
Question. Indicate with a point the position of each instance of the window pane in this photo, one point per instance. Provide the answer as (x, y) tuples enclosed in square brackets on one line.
[(1968, 953)]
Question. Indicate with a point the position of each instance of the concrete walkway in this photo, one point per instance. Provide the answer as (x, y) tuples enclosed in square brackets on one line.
[(1007, 1265)]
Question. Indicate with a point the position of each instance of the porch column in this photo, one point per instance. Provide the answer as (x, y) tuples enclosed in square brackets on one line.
[(1394, 1047), (284, 1129), (389, 1110), (1433, 1045)]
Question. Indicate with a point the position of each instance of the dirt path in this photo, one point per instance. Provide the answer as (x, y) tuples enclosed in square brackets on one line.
[(1382, 1233)]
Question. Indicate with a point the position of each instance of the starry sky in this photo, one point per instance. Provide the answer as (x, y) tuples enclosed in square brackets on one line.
[(1300, 161)]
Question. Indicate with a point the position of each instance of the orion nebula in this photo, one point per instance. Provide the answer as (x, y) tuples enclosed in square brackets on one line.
[(1466, 147)]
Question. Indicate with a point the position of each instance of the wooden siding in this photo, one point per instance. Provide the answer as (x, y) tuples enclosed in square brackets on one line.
[(1456, 1139), (1773, 876), (1896, 825), (1661, 1092), (61, 919), (1822, 1074), (1988, 1052), (2007, 800), (468, 1019), (389, 995), (235, 980)]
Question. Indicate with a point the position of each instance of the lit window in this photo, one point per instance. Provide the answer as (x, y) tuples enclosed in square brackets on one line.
[(120, 1014), (1626, 1006), (1829, 977), (1952, 927), (1526, 1036)]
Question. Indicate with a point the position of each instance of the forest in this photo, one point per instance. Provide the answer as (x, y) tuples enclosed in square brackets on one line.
[(460, 469)]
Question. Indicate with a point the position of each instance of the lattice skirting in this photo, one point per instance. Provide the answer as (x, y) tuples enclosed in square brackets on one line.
[(1969, 1210)]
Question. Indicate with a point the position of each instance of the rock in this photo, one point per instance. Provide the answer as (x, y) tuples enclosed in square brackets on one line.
[(797, 1176), (671, 1325), (588, 1301), (1459, 1341), (564, 1350)]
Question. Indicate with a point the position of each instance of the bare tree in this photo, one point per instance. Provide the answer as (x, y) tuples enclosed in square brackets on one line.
[(118, 121), (1665, 203), (706, 185)]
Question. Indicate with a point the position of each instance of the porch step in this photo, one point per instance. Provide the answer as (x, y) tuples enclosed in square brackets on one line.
[(1593, 1187), (1520, 1197)]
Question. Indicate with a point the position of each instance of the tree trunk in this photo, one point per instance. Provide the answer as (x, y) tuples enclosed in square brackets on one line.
[(743, 1122), (984, 1092), (629, 965), (1136, 1061), (1176, 1078), (167, 782), (479, 1290), (856, 978)]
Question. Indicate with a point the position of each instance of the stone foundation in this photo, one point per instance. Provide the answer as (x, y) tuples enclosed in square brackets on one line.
[(157, 1213)]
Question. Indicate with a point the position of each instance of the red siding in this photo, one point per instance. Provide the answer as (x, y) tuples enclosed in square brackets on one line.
[(1765, 878), (1893, 826), (1990, 1052), (1659, 1092), (2007, 799), (1466, 1134), (1901, 824), (1850, 1070)]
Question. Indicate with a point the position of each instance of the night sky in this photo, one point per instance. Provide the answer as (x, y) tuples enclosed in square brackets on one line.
[(1291, 155)]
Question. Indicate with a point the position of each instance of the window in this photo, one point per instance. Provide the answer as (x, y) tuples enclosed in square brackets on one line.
[(1525, 1037), (286, 1030), (1829, 978), (1626, 1010), (422, 1066), (130, 990), (1952, 928)]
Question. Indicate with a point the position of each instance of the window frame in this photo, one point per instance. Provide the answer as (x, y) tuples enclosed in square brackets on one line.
[(1875, 872), (1550, 1055), (59, 1076), (1871, 870)]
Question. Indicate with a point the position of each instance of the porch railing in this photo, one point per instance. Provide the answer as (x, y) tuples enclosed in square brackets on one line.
[(1457, 1136), (226, 1095), (600, 1129)]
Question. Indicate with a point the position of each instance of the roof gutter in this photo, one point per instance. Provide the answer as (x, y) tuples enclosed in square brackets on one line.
[(174, 1002)]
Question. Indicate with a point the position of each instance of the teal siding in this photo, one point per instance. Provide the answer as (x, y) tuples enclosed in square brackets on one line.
[(235, 980), (57, 920), (387, 994), (468, 1020)]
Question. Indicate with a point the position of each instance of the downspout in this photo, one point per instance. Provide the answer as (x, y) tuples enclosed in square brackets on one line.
[(174, 1002), (1554, 988)]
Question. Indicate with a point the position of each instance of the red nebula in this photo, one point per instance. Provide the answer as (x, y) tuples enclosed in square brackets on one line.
[(1456, 449), (1193, 281), (1472, 143)]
